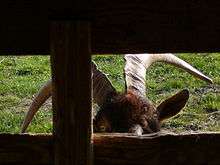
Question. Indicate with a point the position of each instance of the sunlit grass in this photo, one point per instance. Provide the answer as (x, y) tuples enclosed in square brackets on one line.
[(21, 78)]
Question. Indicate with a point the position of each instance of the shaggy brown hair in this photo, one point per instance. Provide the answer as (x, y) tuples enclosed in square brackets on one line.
[(123, 111)]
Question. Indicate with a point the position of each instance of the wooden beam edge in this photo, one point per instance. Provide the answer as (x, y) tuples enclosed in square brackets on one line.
[(26, 149), (117, 148)]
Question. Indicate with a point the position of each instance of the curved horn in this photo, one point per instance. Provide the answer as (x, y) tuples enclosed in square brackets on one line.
[(102, 87), (136, 66), (44, 93)]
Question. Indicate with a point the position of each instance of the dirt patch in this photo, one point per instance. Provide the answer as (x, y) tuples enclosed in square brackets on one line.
[(214, 88)]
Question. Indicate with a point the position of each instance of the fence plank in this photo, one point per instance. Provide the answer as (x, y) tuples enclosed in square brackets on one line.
[(70, 54), (117, 26), (193, 149), (26, 149), (118, 149)]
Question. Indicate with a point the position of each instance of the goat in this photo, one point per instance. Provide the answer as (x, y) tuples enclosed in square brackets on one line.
[(130, 111)]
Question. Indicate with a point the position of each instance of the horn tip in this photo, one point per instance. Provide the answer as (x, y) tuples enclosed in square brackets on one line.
[(209, 80)]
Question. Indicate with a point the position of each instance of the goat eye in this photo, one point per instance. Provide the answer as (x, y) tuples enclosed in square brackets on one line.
[(102, 128)]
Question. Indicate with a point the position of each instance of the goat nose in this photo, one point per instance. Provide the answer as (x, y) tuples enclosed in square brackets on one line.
[(136, 129)]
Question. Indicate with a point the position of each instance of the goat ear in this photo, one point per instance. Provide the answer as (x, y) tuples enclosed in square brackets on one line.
[(172, 105)]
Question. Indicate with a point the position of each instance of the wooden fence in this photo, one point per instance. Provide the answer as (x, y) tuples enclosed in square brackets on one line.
[(71, 31)]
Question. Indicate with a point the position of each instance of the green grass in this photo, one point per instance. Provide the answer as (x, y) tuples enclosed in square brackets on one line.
[(21, 77)]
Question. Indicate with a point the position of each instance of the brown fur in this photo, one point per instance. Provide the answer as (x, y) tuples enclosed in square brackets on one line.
[(124, 111), (129, 112)]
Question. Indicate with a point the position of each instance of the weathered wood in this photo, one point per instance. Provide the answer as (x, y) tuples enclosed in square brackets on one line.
[(155, 26), (115, 149), (193, 149), (70, 54), (26, 149), (117, 26)]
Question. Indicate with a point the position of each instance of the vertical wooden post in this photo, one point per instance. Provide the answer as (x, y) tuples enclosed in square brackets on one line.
[(70, 56)]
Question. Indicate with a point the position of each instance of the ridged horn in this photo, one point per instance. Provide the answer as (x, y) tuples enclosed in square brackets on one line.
[(102, 90), (137, 64), (102, 87)]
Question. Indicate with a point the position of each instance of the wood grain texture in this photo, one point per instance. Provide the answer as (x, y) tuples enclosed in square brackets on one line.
[(70, 48), (193, 149), (26, 149), (117, 26), (118, 149), (155, 26)]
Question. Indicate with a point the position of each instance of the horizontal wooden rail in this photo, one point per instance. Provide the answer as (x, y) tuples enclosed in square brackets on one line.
[(193, 149), (26, 149), (117, 26), (115, 149)]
